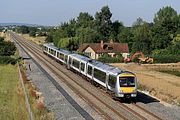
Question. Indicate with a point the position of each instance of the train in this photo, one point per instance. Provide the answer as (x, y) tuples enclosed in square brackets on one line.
[(123, 84)]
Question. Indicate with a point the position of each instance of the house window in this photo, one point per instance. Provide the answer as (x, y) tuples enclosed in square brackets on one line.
[(110, 48)]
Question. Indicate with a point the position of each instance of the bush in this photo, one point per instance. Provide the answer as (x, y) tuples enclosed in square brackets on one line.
[(6, 48), (166, 58), (7, 60), (108, 59)]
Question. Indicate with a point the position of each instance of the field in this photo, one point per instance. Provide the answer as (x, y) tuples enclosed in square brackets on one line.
[(164, 86), (12, 104), (37, 40)]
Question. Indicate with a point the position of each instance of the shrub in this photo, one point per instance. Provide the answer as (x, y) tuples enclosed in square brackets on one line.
[(7, 60), (166, 58), (6, 48), (107, 59)]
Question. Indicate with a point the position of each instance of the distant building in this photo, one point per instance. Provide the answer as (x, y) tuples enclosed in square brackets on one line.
[(96, 50)]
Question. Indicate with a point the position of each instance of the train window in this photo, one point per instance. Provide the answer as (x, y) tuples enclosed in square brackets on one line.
[(100, 75), (127, 82), (61, 56), (45, 48), (112, 81), (76, 63), (51, 51), (89, 70), (54, 52), (82, 66), (58, 54)]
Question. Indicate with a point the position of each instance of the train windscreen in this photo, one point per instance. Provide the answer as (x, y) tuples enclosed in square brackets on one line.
[(127, 81)]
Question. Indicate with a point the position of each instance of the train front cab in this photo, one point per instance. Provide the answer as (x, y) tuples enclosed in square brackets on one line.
[(126, 86)]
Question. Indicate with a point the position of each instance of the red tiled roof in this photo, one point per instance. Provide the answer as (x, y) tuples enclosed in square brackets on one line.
[(107, 47)]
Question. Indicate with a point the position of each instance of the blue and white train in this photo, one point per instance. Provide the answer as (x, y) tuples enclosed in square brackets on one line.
[(122, 83)]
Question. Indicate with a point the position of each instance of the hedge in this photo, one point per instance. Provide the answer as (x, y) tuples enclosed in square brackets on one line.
[(111, 60), (166, 58), (7, 60)]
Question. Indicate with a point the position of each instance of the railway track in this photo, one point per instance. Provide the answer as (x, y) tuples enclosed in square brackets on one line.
[(109, 108)]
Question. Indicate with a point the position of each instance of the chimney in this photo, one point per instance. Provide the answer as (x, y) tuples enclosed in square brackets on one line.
[(102, 44)]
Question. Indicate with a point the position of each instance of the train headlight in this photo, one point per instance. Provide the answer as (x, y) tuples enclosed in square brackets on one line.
[(133, 95)]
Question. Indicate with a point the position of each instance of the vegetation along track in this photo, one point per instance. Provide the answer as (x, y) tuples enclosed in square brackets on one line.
[(106, 108)]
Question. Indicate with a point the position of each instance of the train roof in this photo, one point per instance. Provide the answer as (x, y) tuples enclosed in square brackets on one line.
[(106, 67), (51, 45), (80, 57)]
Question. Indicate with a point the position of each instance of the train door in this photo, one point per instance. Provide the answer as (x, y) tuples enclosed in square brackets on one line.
[(107, 79), (69, 62)]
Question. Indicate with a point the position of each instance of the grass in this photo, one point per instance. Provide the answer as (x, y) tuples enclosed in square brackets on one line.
[(172, 72), (38, 40), (12, 103)]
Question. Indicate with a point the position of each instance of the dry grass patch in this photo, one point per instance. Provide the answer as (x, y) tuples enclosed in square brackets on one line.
[(37, 40)]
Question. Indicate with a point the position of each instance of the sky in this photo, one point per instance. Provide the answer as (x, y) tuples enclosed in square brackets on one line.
[(54, 12)]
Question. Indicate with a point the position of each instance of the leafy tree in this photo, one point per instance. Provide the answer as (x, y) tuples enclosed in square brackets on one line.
[(126, 36), (142, 38), (6, 48), (116, 29), (103, 22), (32, 33), (68, 43), (49, 38), (87, 35), (85, 20), (138, 22), (164, 28), (23, 29)]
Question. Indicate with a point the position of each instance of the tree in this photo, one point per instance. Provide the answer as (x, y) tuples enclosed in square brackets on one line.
[(116, 29), (138, 22), (6, 48), (23, 29), (142, 38), (126, 36), (103, 22), (164, 28), (32, 33), (85, 20), (87, 35)]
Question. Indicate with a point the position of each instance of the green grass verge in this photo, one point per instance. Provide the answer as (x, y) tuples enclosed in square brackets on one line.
[(12, 104), (172, 72)]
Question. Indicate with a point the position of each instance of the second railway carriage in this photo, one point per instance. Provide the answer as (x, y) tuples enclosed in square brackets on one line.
[(78, 63)]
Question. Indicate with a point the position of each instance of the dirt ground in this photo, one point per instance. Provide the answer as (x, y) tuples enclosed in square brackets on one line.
[(164, 86)]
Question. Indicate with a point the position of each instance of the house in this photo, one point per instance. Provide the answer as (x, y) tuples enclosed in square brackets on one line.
[(96, 50)]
